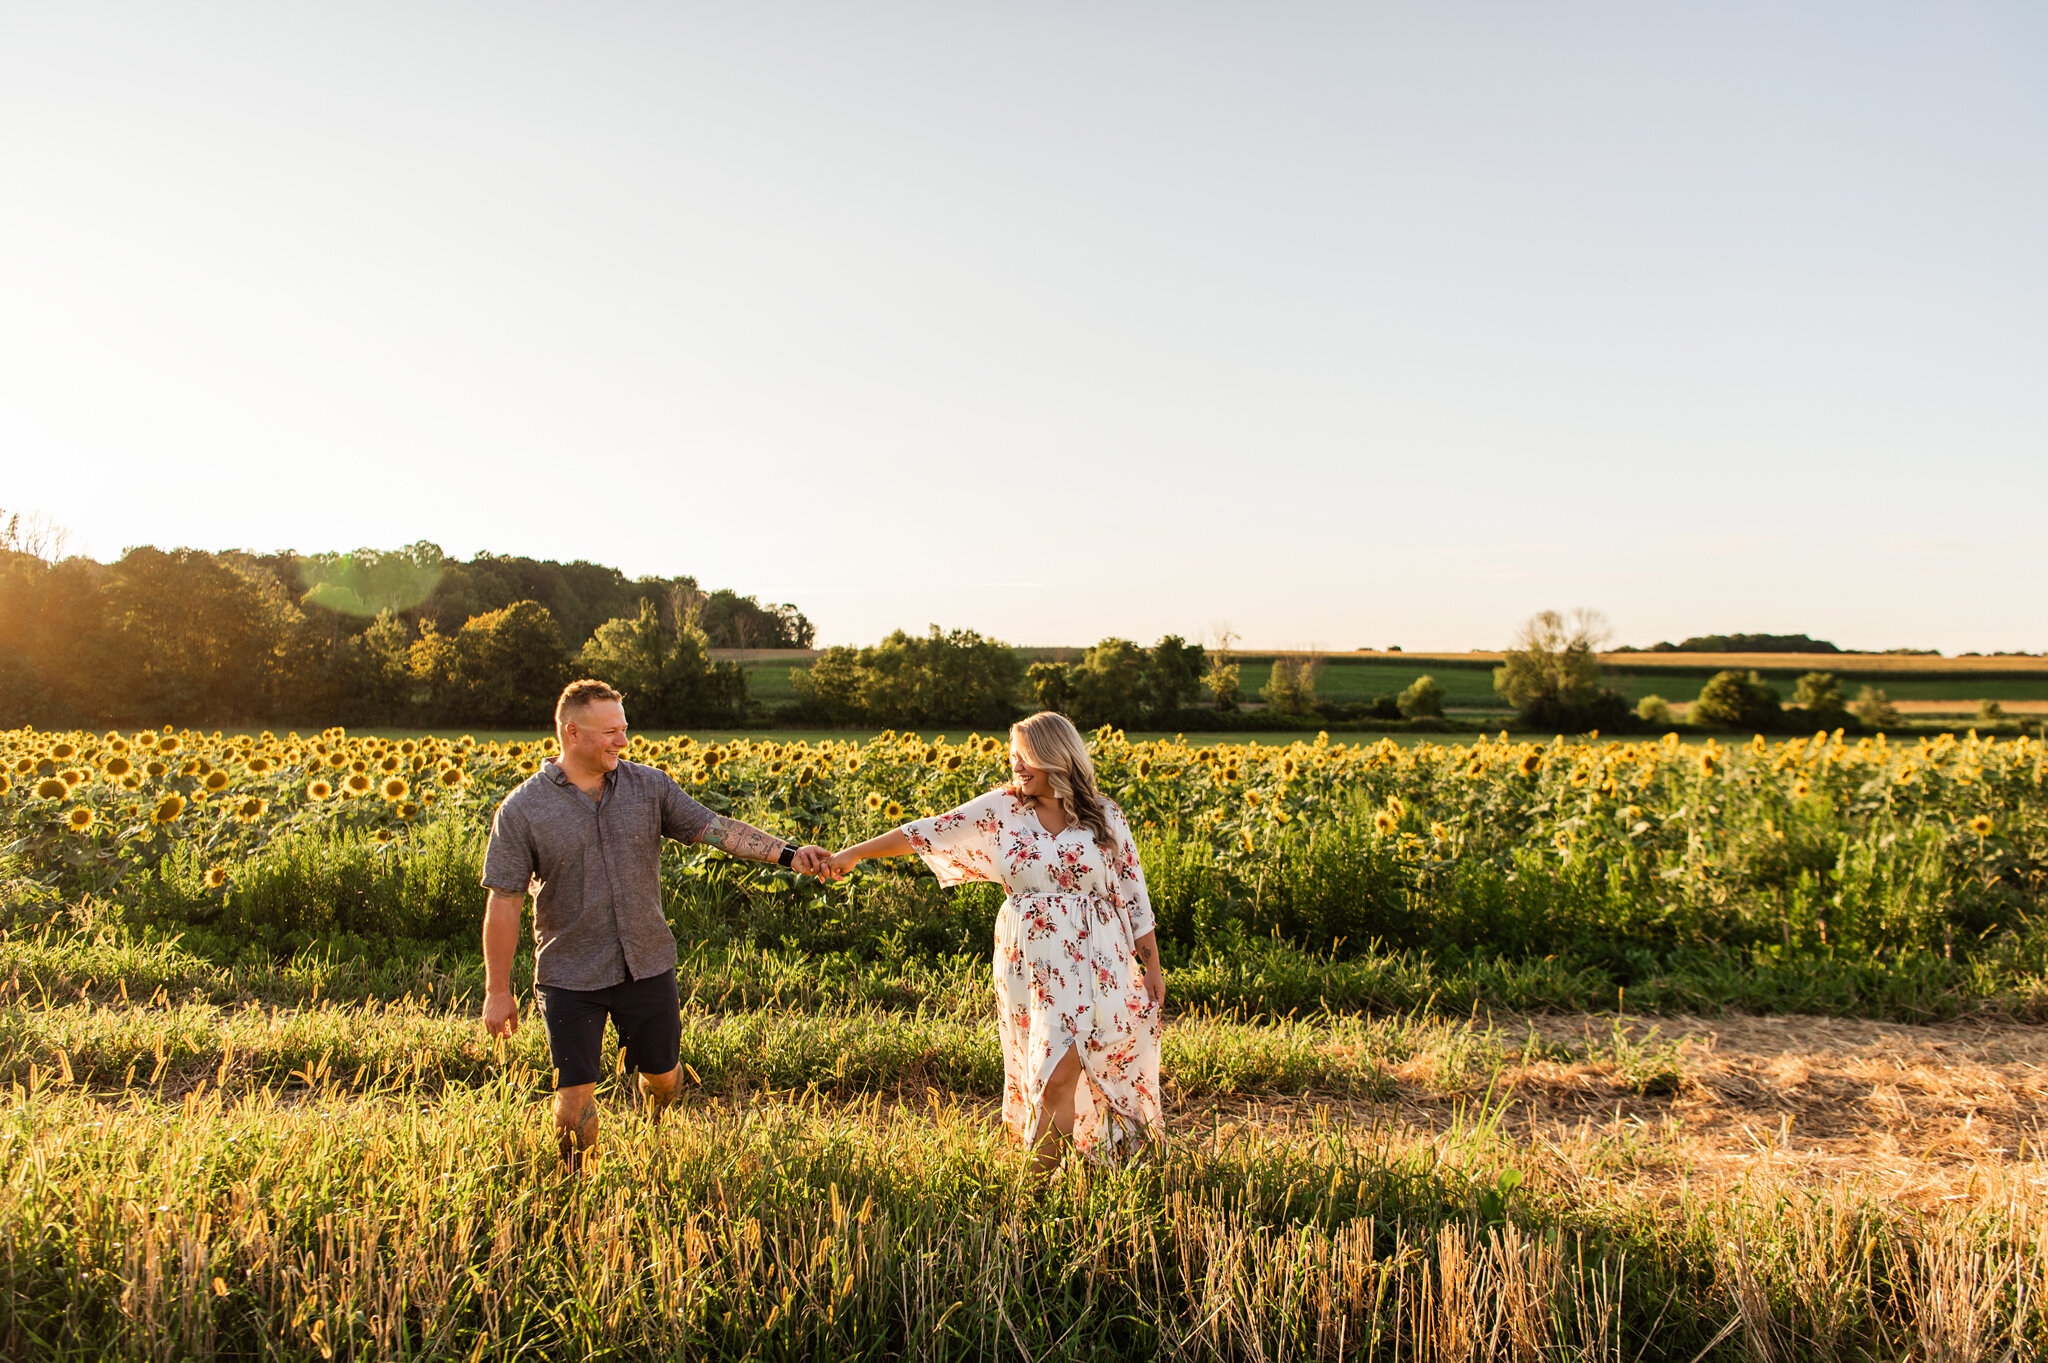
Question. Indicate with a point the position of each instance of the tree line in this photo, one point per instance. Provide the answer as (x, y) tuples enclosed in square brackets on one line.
[(399, 637)]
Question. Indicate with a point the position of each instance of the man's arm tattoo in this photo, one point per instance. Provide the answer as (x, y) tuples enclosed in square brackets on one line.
[(742, 840)]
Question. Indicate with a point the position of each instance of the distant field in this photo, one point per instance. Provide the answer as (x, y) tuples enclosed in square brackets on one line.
[(1467, 678)]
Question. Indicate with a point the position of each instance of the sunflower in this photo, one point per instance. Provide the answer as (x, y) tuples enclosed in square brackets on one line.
[(991, 746), (357, 784), (1531, 760), (318, 790), (258, 765), (6, 783), (216, 780), (1244, 836), (1384, 821), (893, 812), (1439, 832), (450, 776), (385, 835), (145, 740), (953, 761), (249, 809), (1709, 761), (155, 769), (1144, 768), (167, 745), (394, 788), (63, 751), (1800, 788), (80, 819), (406, 809), (168, 809), (50, 788), (216, 877), (874, 800), (118, 766), (1980, 824), (72, 777)]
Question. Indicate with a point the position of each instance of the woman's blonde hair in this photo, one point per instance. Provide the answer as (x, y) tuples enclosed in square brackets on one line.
[(1049, 741)]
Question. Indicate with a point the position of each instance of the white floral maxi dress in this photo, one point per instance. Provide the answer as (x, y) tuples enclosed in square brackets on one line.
[(1066, 974)]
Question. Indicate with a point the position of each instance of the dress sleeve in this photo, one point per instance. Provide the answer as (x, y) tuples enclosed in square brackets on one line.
[(961, 844), (1130, 876)]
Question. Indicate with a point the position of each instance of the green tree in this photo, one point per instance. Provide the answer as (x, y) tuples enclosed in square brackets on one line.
[(1423, 698), (196, 636), (955, 677), (382, 687), (1655, 710), (1173, 674), (1052, 684), (1737, 700), (1109, 684), (1551, 672), (505, 668), (669, 676)]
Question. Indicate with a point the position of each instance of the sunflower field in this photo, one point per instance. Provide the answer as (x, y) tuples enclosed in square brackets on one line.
[(1621, 857)]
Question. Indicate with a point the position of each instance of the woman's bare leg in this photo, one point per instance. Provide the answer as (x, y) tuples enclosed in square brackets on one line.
[(1058, 1106)]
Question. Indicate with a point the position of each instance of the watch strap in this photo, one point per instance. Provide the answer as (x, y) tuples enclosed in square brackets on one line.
[(788, 857)]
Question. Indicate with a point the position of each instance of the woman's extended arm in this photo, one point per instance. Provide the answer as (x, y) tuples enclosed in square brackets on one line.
[(1147, 948), (894, 843)]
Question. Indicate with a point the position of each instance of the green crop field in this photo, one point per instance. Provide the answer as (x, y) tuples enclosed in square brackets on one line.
[(1557, 1050)]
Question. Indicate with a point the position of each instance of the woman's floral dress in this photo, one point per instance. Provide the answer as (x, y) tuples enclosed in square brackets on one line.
[(1066, 975)]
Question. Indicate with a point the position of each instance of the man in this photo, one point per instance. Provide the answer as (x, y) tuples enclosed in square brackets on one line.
[(584, 834)]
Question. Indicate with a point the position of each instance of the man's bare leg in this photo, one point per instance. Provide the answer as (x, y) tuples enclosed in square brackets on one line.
[(658, 1091), (576, 1123), (1058, 1105)]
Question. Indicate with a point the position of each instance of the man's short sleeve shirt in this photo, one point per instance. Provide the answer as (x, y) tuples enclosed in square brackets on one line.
[(594, 870)]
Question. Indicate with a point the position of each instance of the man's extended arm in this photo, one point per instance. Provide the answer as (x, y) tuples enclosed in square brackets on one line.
[(501, 944), (746, 841)]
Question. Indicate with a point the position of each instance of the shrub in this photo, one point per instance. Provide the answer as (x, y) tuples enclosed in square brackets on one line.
[(1737, 700), (1291, 689), (1220, 681), (1424, 697), (1990, 711), (1874, 708), (1655, 710)]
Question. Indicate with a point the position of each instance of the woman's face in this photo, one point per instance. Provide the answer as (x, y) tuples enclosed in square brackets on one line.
[(1031, 781)]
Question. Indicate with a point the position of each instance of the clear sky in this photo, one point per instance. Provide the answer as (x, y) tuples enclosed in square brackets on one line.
[(1344, 324)]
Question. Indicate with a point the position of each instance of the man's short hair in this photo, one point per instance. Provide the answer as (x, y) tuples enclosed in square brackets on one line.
[(578, 694)]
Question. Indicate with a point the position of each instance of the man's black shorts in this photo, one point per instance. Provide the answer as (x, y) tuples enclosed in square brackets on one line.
[(648, 1014)]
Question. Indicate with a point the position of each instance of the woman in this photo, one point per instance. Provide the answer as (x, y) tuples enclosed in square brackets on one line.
[(1078, 984)]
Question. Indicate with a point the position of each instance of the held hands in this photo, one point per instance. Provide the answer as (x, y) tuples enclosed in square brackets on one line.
[(811, 860), (840, 863)]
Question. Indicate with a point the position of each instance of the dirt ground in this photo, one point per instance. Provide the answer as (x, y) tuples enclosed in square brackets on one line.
[(1925, 1116)]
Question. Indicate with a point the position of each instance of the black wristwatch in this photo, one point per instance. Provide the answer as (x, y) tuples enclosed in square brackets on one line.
[(788, 857)]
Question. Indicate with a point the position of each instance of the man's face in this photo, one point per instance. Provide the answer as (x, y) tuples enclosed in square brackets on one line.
[(595, 734)]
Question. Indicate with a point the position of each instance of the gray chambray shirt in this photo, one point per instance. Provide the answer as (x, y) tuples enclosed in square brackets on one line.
[(594, 871)]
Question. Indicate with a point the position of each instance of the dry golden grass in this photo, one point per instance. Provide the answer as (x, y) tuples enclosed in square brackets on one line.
[(1925, 1118)]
